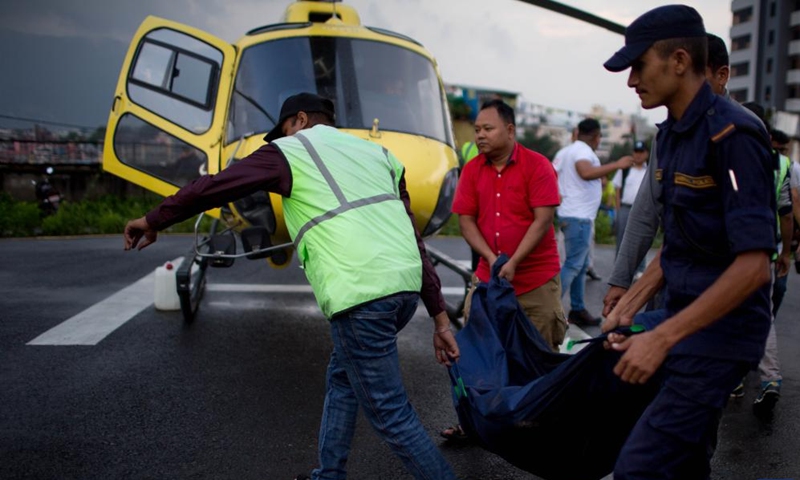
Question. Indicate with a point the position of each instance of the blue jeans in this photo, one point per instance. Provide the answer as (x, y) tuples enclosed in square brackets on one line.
[(577, 236), (364, 370)]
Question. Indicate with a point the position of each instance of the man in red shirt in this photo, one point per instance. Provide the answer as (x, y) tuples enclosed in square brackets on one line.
[(506, 200)]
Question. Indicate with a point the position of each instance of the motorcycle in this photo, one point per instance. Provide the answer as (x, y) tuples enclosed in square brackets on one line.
[(47, 195)]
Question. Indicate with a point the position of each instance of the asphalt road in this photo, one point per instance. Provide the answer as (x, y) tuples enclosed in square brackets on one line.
[(238, 394)]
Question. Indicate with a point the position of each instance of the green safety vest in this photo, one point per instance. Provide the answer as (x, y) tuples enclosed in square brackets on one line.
[(354, 238), (469, 151), (780, 177), (785, 164)]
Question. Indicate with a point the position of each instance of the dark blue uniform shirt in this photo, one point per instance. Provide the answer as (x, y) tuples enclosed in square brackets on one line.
[(719, 201)]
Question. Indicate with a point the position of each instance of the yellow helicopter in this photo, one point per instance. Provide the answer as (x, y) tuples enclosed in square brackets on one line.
[(188, 103)]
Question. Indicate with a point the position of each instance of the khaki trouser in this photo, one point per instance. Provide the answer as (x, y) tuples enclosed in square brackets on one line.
[(541, 305)]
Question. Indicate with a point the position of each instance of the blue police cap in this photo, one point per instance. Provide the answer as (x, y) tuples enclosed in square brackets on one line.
[(669, 21)]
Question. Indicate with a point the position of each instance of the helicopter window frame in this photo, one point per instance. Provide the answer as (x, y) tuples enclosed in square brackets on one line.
[(182, 111), (344, 50), (169, 142), (213, 74)]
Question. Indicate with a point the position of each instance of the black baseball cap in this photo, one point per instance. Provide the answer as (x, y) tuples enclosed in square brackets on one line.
[(669, 21), (302, 102), (638, 146)]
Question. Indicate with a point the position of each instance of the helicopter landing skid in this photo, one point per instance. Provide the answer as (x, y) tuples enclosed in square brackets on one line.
[(218, 249), (190, 290)]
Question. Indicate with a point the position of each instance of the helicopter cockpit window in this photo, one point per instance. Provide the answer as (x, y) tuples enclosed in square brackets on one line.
[(149, 149), (366, 80), (174, 76)]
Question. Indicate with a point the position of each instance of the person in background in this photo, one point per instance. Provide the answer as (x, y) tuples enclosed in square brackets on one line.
[(608, 189), (781, 142), (717, 176), (769, 366), (559, 156), (581, 193), (363, 257), (795, 186), (627, 183), (608, 203), (469, 151), (506, 200)]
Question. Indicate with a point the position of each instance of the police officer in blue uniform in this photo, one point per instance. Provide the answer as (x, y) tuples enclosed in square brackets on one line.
[(716, 170)]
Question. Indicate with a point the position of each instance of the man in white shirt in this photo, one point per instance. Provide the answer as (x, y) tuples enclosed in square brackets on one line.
[(581, 191), (627, 183)]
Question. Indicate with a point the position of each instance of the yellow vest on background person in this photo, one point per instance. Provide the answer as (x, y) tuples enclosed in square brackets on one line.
[(609, 198), (354, 238), (785, 164), (468, 151), (780, 176)]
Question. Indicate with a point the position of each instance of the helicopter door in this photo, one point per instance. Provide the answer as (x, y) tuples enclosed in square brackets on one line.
[(170, 105)]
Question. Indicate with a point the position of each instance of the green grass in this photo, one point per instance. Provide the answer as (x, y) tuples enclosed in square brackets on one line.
[(105, 215), (451, 228), (109, 214)]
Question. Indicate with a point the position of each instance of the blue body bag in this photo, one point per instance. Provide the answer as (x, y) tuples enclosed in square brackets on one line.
[(557, 416)]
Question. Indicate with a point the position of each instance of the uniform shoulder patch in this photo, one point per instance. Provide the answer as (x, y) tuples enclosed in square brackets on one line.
[(697, 183), (727, 130)]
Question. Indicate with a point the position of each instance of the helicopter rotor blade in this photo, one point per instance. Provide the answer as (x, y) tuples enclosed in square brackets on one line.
[(577, 14)]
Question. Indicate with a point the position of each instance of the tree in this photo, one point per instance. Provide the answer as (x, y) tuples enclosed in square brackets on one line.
[(543, 144), (98, 135), (459, 110), (619, 150), (72, 136)]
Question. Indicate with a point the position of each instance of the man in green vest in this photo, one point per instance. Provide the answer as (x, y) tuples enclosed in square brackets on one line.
[(348, 212), (468, 151)]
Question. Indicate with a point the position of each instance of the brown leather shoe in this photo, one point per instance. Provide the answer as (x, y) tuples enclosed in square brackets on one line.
[(583, 318)]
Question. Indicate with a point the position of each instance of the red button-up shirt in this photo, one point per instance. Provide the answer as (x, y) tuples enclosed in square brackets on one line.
[(503, 203)]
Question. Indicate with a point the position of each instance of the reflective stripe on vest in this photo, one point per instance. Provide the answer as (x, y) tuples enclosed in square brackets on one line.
[(354, 238), (344, 204)]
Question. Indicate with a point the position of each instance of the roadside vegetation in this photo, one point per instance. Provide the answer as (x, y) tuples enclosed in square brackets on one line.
[(108, 215), (105, 215), (604, 233)]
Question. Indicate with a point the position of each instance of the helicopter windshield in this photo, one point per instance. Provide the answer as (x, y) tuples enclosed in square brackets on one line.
[(366, 80)]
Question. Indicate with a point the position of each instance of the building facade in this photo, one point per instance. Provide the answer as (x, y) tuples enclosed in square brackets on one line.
[(765, 53)]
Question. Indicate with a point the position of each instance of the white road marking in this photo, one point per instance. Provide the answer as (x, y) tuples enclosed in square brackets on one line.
[(573, 333), (98, 321)]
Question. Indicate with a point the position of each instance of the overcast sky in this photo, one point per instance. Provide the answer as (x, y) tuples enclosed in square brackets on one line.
[(504, 44)]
